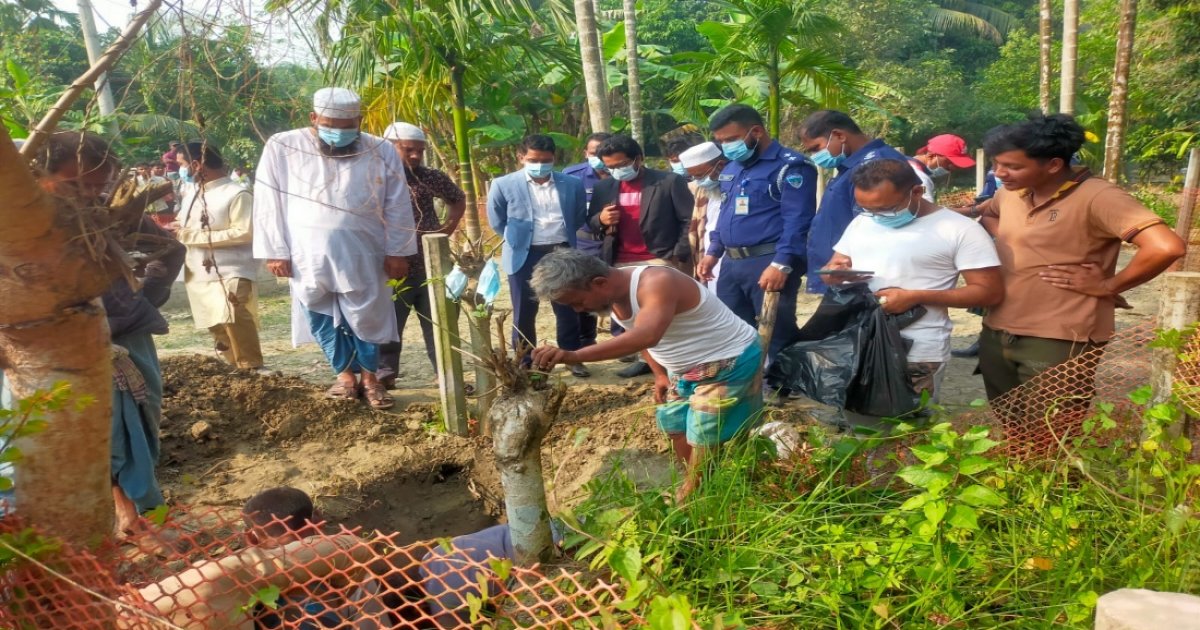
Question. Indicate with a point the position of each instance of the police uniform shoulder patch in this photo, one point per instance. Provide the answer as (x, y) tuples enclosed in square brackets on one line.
[(795, 180), (870, 156)]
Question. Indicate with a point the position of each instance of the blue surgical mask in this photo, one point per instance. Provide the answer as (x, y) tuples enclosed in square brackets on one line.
[(678, 169), (539, 170), (337, 137), (895, 221), (737, 150), (895, 218), (624, 173), (827, 160), (597, 164), (999, 184), (185, 175), (708, 183), (937, 172)]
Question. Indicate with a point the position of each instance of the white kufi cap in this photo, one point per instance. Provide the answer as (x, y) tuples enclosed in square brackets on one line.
[(403, 131), (338, 103), (700, 154)]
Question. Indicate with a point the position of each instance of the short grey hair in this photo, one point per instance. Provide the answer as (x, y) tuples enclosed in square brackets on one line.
[(563, 270)]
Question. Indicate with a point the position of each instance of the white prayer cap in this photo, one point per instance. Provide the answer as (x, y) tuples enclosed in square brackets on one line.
[(338, 103), (403, 131), (700, 154)]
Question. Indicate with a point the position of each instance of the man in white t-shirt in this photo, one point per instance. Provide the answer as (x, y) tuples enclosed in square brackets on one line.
[(917, 251)]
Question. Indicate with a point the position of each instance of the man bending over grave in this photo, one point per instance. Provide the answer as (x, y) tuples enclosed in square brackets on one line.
[(707, 362)]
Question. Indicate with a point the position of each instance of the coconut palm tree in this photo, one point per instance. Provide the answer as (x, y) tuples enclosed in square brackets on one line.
[(1045, 48), (1115, 138), (631, 60), (593, 66), (767, 48), (971, 18), (1070, 55)]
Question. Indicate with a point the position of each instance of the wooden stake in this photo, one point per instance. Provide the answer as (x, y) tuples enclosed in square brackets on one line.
[(447, 341), (766, 319), (1178, 309), (980, 171), (1186, 217)]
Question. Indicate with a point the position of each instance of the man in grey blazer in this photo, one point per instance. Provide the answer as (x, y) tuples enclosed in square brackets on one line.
[(537, 211)]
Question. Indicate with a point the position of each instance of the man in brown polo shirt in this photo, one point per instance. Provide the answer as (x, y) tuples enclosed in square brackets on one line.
[(1058, 231)]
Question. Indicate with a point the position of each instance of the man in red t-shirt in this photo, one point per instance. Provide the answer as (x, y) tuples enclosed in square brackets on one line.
[(644, 214)]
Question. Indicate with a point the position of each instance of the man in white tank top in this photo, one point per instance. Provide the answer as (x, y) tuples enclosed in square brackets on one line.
[(707, 362)]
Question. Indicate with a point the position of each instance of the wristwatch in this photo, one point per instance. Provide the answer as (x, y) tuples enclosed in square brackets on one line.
[(782, 267)]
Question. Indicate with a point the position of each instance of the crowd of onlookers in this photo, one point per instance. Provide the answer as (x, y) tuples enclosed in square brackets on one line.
[(681, 260)]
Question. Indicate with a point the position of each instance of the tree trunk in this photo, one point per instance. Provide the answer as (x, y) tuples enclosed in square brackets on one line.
[(635, 85), (773, 106), (52, 330), (520, 419), (593, 66), (1114, 140), (466, 178), (1070, 55), (1045, 46)]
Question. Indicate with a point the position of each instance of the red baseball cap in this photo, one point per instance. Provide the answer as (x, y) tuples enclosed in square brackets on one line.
[(951, 147)]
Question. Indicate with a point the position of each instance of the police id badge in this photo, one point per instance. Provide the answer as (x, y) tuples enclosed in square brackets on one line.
[(741, 205)]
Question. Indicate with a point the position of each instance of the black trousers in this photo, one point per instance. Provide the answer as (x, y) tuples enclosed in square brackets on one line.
[(414, 297)]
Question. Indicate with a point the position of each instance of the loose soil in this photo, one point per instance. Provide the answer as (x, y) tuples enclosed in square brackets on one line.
[(228, 434)]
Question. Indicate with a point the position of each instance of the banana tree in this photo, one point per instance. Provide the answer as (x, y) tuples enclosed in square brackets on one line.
[(774, 44)]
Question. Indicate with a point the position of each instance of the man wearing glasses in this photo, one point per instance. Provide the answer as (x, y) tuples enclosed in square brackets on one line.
[(644, 214), (917, 250)]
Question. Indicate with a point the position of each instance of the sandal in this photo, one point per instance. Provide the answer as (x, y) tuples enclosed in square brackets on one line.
[(342, 391), (378, 397)]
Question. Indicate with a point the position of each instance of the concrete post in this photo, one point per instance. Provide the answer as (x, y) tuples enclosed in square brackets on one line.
[(1139, 609), (447, 341), (1178, 308)]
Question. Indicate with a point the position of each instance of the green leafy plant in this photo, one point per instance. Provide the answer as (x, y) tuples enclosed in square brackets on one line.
[(926, 527)]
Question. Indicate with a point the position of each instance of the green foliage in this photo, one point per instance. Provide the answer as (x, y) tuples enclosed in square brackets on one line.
[(1165, 205), (956, 536)]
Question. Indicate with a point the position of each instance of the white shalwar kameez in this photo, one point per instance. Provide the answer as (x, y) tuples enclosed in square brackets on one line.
[(334, 218)]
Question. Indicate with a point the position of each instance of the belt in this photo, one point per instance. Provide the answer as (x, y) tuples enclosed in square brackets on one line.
[(588, 235), (738, 253), (543, 249)]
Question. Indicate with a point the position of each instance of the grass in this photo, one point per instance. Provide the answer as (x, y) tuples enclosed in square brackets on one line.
[(940, 531)]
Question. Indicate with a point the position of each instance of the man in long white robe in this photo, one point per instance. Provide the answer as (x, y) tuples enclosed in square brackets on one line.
[(332, 212)]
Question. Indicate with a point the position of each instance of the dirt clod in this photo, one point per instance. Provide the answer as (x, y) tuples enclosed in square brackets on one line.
[(201, 431)]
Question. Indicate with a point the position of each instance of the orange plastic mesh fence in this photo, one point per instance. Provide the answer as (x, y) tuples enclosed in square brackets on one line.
[(1053, 405), (200, 570)]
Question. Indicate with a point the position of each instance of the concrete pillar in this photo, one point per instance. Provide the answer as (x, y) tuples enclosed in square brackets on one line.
[(1139, 609)]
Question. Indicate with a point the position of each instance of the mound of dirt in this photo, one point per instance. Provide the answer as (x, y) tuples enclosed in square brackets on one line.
[(226, 434)]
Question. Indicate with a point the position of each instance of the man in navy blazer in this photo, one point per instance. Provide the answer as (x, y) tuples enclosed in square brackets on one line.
[(537, 211)]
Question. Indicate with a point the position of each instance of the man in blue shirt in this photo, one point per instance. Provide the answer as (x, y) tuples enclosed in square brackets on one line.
[(591, 170), (834, 141), (770, 197)]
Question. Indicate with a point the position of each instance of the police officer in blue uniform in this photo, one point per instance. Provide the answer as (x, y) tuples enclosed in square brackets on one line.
[(591, 171), (770, 198), (834, 141)]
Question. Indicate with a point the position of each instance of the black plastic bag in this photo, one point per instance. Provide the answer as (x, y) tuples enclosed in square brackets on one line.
[(881, 386), (823, 363), (851, 355)]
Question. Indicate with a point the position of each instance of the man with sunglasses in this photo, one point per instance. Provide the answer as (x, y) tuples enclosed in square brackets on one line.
[(917, 251)]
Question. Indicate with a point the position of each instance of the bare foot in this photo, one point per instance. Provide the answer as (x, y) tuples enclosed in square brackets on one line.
[(127, 514)]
